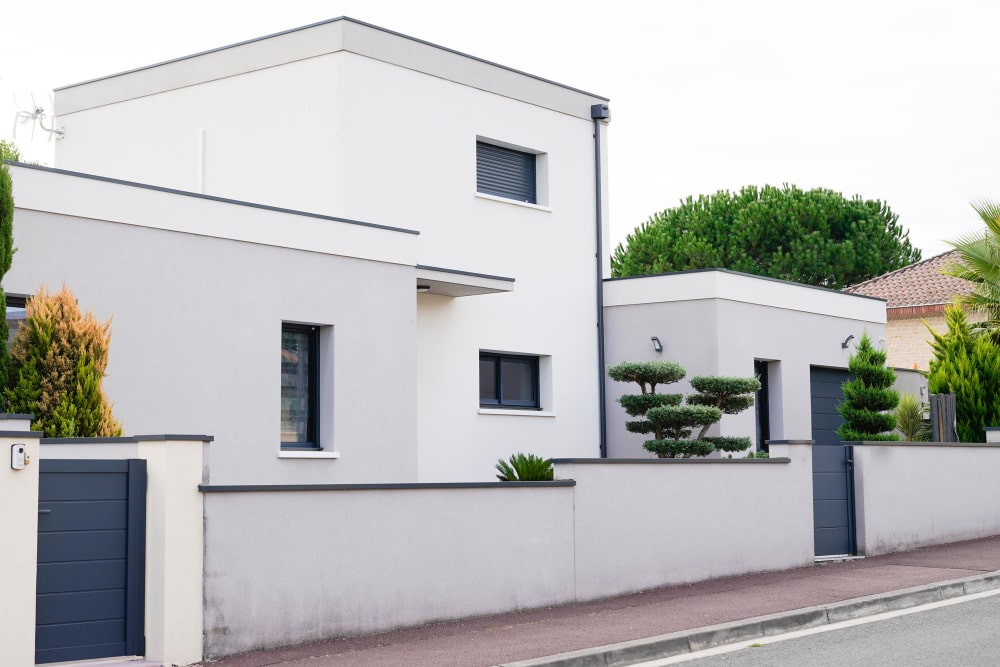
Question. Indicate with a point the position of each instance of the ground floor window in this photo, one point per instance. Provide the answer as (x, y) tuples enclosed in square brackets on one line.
[(299, 386), (508, 380)]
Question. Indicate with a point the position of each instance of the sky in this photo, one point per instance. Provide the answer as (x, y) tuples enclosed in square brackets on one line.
[(888, 99)]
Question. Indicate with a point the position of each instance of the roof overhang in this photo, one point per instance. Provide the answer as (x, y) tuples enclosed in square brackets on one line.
[(451, 282)]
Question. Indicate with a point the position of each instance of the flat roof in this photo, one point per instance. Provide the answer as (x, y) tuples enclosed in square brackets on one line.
[(342, 33)]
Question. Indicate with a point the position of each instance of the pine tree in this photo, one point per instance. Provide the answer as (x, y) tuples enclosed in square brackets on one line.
[(868, 396), (58, 360), (968, 366)]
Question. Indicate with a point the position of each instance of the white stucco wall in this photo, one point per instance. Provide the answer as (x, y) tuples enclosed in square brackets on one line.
[(909, 495), (718, 323), (367, 561), (197, 320), (640, 525)]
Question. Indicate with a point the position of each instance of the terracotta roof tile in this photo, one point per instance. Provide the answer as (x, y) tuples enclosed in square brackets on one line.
[(919, 284)]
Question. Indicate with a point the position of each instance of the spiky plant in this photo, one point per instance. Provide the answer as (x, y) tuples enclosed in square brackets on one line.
[(524, 468), (910, 419), (979, 263)]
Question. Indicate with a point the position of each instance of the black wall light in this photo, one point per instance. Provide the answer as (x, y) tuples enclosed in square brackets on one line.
[(657, 345), (846, 341)]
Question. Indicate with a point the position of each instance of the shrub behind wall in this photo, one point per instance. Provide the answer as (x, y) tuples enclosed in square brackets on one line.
[(58, 360)]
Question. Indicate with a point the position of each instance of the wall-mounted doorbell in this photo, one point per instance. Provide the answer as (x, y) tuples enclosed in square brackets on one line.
[(18, 457)]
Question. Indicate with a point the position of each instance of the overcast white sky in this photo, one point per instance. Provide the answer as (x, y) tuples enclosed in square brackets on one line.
[(895, 100)]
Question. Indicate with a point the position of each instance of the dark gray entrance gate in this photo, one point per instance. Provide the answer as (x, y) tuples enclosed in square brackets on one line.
[(91, 559), (833, 477)]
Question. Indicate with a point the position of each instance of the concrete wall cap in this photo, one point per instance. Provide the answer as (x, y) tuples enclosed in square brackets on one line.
[(21, 434), (779, 459)]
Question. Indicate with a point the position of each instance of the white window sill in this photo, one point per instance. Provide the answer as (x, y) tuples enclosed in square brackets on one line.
[(307, 454), (517, 413), (513, 202)]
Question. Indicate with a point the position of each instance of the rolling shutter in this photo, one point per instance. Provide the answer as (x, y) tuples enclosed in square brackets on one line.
[(504, 172)]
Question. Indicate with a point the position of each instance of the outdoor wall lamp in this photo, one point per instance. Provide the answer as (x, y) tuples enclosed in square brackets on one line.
[(846, 341), (657, 345), (423, 288)]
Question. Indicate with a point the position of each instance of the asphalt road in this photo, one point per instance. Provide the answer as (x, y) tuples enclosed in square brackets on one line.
[(963, 634)]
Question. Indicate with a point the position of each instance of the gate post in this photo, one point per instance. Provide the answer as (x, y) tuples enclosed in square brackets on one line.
[(19, 540)]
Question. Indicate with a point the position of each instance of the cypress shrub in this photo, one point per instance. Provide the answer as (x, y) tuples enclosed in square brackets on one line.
[(868, 396), (58, 360), (6, 256), (967, 365)]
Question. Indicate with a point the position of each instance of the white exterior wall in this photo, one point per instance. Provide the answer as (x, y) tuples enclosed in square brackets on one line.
[(662, 523), (350, 120), (910, 495), (333, 571), (197, 322), (718, 323)]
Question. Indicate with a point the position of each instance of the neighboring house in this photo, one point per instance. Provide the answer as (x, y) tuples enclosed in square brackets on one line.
[(916, 296)]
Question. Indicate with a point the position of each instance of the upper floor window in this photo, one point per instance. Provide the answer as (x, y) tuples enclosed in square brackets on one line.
[(505, 172)]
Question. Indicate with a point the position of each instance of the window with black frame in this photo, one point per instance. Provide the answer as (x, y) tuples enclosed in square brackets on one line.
[(299, 386), (508, 381)]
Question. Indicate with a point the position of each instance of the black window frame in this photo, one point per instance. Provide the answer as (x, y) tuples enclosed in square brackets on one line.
[(519, 183), (312, 423), (499, 402)]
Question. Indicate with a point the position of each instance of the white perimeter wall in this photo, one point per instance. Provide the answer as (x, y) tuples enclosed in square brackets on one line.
[(719, 323), (300, 566), (289, 566), (909, 495)]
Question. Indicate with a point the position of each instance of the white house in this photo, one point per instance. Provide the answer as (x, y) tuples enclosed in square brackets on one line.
[(463, 254)]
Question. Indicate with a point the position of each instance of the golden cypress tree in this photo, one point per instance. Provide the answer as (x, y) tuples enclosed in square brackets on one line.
[(58, 360)]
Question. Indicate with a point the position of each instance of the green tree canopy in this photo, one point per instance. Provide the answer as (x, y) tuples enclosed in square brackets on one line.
[(817, 237)]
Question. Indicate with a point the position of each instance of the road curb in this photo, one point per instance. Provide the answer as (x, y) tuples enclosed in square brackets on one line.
[(698, 639)]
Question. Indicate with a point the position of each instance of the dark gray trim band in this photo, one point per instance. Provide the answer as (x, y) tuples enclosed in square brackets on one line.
[(258, 488), (748, 275), (777, 459), (22, 434), (127, 439), (319, 23), (464, 273), (992, 428), (922, 445), (13, 415), (223, 200), (791, 442)]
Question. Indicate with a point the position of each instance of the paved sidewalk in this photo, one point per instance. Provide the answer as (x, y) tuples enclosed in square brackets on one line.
[(521, 636)]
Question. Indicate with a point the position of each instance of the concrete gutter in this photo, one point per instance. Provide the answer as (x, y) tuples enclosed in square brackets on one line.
[(699, 639)]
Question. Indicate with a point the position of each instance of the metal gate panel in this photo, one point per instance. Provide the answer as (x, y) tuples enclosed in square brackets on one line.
[(91, 559), (833, 502)]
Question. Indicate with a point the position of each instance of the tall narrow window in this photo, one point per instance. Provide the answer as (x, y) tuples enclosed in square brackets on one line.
[(763, 409), (299, 386), (505, 172), (507, 380)]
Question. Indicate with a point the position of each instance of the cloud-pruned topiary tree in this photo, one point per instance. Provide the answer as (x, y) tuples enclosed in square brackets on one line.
[(868, 396), (669, 422), (58, 360), (6, 255)]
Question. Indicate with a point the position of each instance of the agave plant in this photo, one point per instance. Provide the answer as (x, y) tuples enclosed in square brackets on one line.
[(524, 468)]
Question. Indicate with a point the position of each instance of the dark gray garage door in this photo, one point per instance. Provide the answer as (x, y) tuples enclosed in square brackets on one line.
[(91, 559), (833, 499)]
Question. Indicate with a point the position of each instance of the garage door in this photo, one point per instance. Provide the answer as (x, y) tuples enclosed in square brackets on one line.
[(833, 498), (91, 559)]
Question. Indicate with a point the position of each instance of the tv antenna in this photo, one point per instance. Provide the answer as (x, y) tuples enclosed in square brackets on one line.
[(37, 115)]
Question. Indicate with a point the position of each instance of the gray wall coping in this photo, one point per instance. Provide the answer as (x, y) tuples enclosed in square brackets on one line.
[(127, 439), (401, 486), (779, 459), (21, 434), (988, 428), (791, 442), (904, 443), (15, 415)]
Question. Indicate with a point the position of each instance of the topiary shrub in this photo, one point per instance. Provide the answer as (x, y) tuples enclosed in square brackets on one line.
[(869, 396), (525, 468), (58, 360), (6, 250), (669, 422), (967, 365)]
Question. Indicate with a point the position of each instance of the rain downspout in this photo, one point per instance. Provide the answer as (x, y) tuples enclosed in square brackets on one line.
[(600, 112)]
